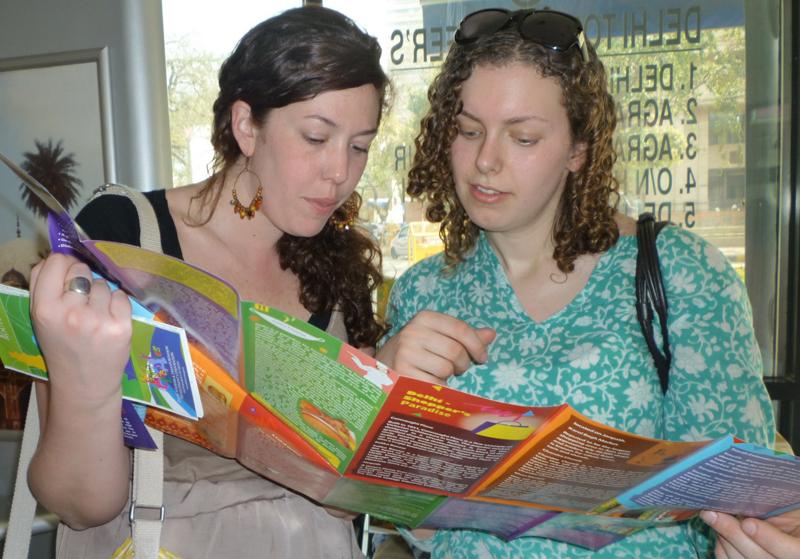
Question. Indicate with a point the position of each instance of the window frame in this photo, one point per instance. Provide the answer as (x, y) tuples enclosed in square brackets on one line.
[(784, 385)]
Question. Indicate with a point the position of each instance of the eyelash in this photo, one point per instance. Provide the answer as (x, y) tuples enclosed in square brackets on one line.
[(469, 134), (318, 141), (474, 134)]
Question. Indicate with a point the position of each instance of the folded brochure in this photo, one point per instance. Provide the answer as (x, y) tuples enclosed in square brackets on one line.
[(301, 407)]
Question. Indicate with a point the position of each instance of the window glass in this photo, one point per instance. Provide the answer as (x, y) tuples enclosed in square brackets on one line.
[(198, 36), (698, 138)]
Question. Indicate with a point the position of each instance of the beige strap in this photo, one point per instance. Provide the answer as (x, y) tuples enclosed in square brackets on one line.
[(149, 234), (147, 490), (147, 498), (23, 505)]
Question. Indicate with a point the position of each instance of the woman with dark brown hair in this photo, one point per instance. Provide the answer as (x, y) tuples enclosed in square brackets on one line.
[(299, 104), (533, 299)]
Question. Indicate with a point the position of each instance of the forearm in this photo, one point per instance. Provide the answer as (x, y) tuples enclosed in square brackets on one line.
[(81, 468)]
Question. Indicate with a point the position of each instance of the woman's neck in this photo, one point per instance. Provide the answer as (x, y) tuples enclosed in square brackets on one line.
[(524, 252), (214, 214)]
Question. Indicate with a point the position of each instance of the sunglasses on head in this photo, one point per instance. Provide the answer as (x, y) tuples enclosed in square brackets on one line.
[(554, 30)]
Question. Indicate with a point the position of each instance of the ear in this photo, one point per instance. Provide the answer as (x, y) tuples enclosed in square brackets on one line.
[(243, 127), (578, 157)]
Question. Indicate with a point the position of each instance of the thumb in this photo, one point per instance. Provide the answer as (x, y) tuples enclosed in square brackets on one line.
[(772, 539)]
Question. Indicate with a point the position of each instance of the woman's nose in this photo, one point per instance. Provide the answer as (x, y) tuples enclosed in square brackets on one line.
[(488, 160), (336, 166)]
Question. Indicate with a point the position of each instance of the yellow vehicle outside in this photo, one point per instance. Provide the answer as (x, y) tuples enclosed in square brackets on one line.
[(423, 240)]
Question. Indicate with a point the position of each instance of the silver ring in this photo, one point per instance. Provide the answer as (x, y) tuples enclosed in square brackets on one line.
[(80, 284)]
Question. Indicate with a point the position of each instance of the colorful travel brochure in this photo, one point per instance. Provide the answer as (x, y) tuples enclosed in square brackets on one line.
[(158, 372), (329, 421), (317, 415)]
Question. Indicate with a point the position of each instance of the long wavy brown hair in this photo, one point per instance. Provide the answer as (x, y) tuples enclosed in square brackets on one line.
[(585, 220), (289, 58)]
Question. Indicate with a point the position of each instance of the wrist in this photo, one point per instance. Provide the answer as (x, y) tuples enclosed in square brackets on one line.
[(68, 407)]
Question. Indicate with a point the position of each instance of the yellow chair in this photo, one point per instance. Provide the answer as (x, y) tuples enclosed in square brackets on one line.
[(782, 445)]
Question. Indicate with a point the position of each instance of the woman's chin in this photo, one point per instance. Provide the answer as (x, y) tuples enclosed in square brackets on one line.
[(306, 229)]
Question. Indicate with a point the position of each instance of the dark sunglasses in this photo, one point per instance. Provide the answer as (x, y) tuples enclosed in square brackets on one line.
[(555, 30)]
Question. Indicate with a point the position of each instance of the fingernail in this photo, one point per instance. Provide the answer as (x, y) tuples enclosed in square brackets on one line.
[(709, 517), (749, 527)]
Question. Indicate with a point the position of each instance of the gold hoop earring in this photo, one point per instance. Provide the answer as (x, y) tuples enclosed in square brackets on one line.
[(250, 210), (345, 216)]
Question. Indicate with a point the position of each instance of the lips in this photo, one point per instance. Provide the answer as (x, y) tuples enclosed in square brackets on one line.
[(486, 194), (323, 206)]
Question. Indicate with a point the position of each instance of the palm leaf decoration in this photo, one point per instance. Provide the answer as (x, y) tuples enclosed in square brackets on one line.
[(55, 170)]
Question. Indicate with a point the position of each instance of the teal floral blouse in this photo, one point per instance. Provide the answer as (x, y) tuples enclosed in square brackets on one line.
[(592, 354)]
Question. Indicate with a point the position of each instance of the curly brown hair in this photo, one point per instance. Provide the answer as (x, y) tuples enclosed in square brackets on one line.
[(289, 58), (585, 220)]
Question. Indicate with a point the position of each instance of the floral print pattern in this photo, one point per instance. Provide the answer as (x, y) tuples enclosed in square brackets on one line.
[(592, 354)]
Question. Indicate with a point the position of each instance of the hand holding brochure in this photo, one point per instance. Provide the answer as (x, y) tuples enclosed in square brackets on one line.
[(204, 305), (157, 373)]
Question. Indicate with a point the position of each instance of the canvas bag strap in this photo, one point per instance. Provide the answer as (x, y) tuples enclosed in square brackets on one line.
[(149, 234), (147, 503), (147, 488), (23, 505)]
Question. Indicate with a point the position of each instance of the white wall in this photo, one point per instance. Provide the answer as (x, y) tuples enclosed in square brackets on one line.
[(133, 32)]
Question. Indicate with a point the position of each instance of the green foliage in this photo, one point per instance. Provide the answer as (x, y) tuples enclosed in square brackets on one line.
[(391, 154), (191, 90)]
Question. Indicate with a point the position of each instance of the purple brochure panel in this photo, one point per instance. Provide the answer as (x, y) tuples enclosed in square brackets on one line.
[(134, 431), (204, 305), (743, 479), (506, 521), (64, 237)]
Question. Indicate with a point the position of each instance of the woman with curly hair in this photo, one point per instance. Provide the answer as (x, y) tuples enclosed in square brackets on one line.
[(299, 104), (533, 299)]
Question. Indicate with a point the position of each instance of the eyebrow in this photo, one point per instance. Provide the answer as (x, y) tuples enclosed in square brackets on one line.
[(333, 124), (514, 120)]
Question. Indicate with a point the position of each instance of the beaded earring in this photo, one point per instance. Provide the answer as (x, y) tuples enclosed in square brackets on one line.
[(250, 210), (345, 216)]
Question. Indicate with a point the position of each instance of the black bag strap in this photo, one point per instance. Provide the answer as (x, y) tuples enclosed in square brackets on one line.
[(651, 299)]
